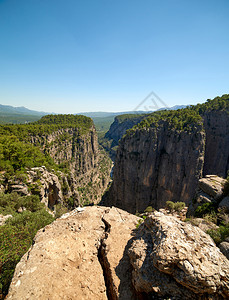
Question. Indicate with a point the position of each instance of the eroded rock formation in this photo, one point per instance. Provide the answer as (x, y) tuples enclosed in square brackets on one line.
[(156, 165), (89, 166), (98, 253), (209, 190), (216, 161), (80, 256), (83, 180), (173, 258), (121, 124)]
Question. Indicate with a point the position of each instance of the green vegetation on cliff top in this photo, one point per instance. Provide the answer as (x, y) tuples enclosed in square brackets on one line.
[(126, 117), (218, 103), (183, 119), (47, 125), (16, 156), (18, 153)]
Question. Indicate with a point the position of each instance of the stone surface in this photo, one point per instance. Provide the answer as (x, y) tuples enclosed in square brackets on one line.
[(156, 165), (224, 248), (21, 189), (216, 124), (210, 189), (224, 204), (203, 224), (173, 258), (71, 257), (212, 185), (88, 169), (3, 219), (89, 166), (48, 184)]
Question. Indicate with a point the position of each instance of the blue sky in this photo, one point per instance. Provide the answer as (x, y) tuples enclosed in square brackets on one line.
[(70, 56)]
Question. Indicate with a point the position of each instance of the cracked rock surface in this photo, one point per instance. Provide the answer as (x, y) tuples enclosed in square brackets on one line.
[(81, 256), (97, 253), (171, 257)]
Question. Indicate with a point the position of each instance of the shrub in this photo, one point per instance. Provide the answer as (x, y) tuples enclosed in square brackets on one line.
[(205, 209), (170, 205), (10, 203), (220, 234), (149, 209), (178, 206), (174, 206), (15, 239)]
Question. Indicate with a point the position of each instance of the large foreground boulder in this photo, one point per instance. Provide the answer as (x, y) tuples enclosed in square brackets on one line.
[(79, 256), (98, 253), (173, 258)]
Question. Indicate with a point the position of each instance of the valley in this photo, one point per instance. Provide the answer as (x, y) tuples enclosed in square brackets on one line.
[(56, 170)]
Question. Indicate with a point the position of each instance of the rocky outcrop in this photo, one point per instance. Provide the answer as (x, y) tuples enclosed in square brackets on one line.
[(3, 219), (40, 181), (98, 253), (224, 247), (85, 168), (173, 258), (80, 256), (224, 204), (216, 160), (121, 124), (116, 131), (155, 165), (212, 185), (209, 190), (88, 165)]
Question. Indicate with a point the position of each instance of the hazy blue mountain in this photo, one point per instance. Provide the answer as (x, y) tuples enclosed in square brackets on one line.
[(7, 109), (101, 114)]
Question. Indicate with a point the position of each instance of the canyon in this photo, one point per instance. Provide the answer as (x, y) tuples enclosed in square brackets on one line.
[(116, 248), (157, 162)]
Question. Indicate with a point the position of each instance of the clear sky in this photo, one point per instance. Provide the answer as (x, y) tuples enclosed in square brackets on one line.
[(70, 56)]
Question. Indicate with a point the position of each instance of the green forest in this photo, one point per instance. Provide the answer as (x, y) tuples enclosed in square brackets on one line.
[(183, 119)]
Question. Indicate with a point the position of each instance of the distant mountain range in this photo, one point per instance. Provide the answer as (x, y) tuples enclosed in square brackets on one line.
[(7, 109), (11, 114), (101, 114)]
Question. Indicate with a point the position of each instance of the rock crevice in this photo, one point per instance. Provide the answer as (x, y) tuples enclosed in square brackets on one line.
[(110, 288)]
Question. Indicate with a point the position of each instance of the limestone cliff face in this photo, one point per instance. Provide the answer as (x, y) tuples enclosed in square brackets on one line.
[(119, 127), (216, 161), (155, 165), (89, 166)]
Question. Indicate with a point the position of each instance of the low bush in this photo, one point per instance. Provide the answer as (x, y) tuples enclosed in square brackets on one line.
[(175, 206), (220, 234), (15, 239), (17, 234), (205, 209), (149, 209)]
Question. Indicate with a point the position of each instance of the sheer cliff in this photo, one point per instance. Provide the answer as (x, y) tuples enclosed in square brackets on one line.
[(117, 129), (216, 161), (155, 165), (162, 157), (82, 170)]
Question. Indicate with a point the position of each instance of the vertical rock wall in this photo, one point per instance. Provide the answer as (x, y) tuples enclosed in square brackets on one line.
[(156, 165), (216, 161)]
